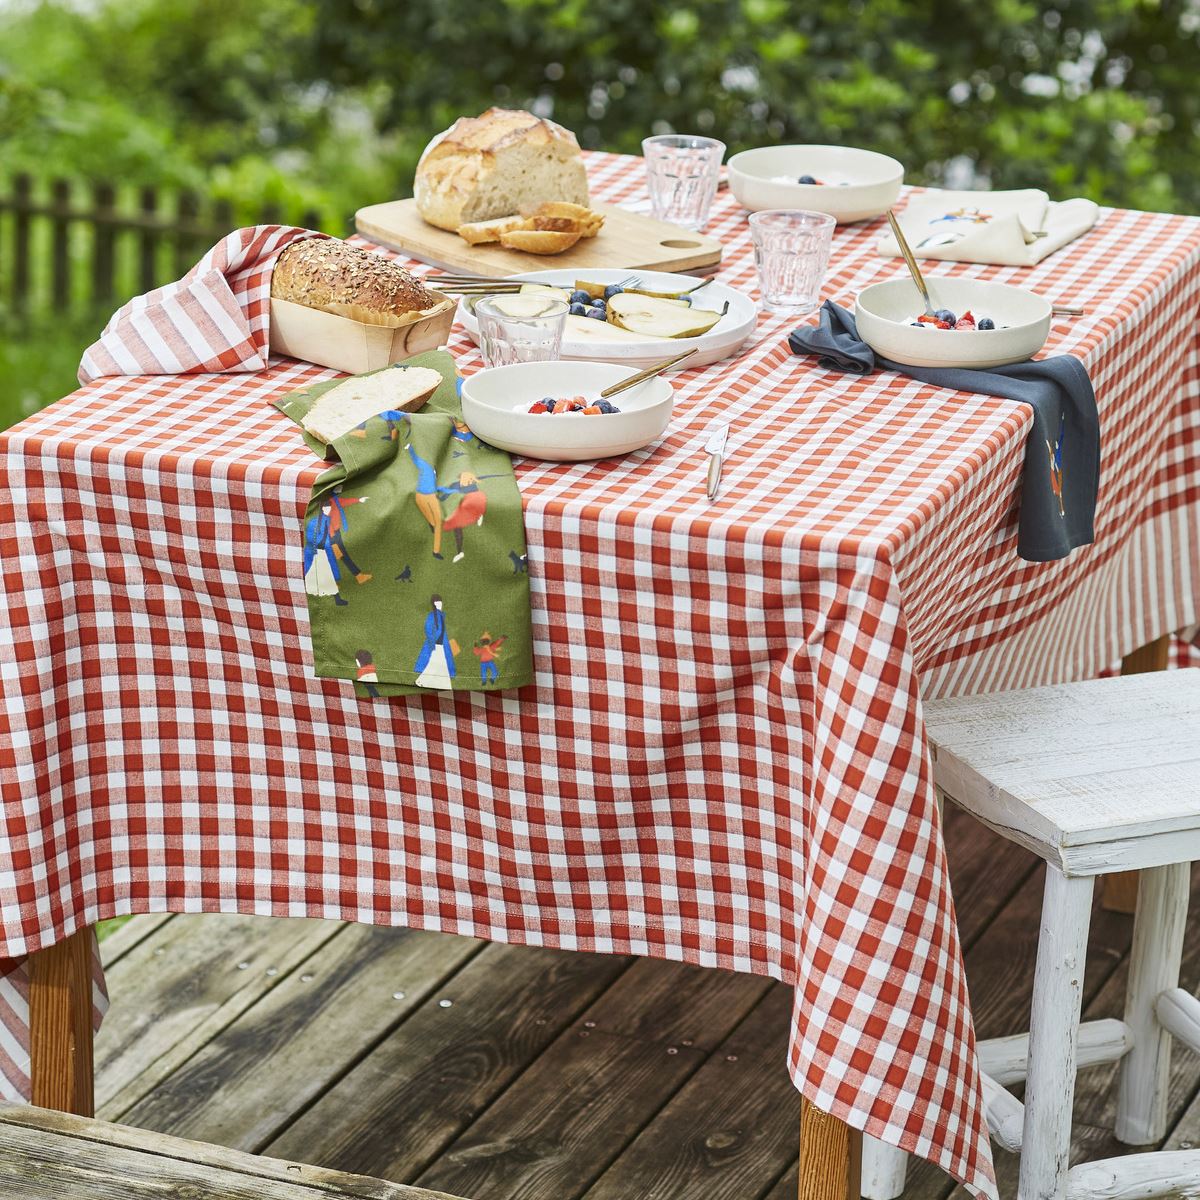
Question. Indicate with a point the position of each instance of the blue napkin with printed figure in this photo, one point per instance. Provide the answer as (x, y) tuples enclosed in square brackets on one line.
[(1062, 456)]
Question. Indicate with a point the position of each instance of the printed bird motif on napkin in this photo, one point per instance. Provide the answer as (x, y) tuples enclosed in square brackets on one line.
[(1011, 228)]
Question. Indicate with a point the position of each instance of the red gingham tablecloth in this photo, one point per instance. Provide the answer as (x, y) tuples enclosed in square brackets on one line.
[(724, 759)]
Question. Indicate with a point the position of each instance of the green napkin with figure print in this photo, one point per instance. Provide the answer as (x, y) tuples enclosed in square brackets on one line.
[(414, 550)]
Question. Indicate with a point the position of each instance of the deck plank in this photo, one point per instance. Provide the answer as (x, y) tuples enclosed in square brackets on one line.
[(184, 983), (247, 1084), (730, 1131), (576, 1108), (431, 1077)]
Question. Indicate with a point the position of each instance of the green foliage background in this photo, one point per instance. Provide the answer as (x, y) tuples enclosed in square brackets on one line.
[(327, 103)]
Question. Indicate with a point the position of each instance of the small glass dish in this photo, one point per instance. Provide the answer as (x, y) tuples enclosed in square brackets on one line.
[(681, 175), (520, 329), (791, 251)]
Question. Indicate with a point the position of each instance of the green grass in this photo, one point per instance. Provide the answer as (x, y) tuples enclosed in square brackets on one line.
[(104, 928), (38, 361)]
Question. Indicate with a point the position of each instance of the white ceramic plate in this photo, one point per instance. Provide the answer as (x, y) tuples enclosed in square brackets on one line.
[(855, 184), (884, 313), (495, 400), (594, 341)]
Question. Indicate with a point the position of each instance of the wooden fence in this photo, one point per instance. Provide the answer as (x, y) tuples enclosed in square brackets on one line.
[(67, 246)]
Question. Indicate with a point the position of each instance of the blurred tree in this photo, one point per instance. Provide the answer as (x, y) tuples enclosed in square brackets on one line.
[(1080, 96)]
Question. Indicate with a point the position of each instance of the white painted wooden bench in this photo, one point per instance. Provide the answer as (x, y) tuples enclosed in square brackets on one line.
[(1096, 778)]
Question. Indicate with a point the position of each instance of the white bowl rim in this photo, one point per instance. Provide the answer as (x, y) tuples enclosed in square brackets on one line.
[(617, 371), (931, 279), (896, 168)]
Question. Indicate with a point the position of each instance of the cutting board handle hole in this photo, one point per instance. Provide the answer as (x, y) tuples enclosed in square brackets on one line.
[(681, 244)]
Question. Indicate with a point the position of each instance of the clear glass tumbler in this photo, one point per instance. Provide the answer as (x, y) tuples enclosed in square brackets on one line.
[(791, 250), (519, 329), (681, 171)]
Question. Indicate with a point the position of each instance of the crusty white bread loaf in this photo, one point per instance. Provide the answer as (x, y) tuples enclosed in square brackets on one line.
[(342, 408), (495, 165), (330, 275)]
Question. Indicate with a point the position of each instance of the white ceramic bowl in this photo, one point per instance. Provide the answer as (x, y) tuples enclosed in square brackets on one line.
[(855, 184), (724, 339), (494, 404), (884, 313)]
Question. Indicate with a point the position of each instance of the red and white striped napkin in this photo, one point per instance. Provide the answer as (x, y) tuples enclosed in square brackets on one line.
[(215, 319)]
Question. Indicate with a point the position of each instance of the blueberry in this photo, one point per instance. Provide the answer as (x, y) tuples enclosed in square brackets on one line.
[(578, 309), (986, 323), (597, 314), (599, 304), (806, 179), (579, 296), (606, 406), (918, 324), (944, 314), (613, 289)]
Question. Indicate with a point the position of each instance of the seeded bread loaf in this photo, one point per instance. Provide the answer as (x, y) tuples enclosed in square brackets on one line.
[(497, 164), (329, 275)]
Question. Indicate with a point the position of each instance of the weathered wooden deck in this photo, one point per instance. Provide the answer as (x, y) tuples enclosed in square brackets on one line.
[(492, 1071)]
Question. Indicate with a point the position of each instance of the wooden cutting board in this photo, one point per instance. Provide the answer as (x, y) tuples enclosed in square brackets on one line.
[(627, 240)]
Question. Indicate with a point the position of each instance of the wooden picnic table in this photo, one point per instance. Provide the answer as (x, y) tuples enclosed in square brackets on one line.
[(724, 762)]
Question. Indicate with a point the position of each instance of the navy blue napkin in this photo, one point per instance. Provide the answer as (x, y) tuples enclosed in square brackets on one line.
[(1062, 455)]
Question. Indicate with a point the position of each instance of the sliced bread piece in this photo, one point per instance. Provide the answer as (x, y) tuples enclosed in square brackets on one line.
[(479, 232), (541, 241), (398, 389)]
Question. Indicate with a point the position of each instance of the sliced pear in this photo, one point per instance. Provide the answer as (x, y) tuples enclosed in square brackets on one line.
[(523, 305), (587, 329), (659, 317), (595, 290), (674, 297), (529, 289)]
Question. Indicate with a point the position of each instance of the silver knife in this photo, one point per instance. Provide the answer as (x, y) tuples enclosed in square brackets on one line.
[(714, 447)]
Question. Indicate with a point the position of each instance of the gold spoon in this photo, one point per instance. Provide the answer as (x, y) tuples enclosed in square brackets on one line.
[(914, 270), (648, 373)]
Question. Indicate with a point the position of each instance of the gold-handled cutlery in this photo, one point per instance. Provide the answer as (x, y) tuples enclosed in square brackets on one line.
[(469, 285), (914, 270), (656, 369), (1065, 310)]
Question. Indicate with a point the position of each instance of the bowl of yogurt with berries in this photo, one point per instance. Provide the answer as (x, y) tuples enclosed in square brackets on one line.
[(847, 183), (975, 324), (554, 410)]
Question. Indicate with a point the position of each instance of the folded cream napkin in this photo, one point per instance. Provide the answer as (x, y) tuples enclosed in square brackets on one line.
[(989, 227)]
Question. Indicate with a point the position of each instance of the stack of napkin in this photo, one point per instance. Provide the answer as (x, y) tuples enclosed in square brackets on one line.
[(1010, 229)]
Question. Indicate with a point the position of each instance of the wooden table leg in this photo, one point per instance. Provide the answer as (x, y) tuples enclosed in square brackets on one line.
[(830, 1156), (1120, 891), (60, 1025)]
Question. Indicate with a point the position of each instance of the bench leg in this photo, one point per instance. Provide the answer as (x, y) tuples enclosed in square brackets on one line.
[(1120, 891), (830, 1152), (1153, 969), (1054, 1035), (60, 1025)]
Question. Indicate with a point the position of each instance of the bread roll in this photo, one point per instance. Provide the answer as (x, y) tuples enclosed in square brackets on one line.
[(495, 165), (329, 275)]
